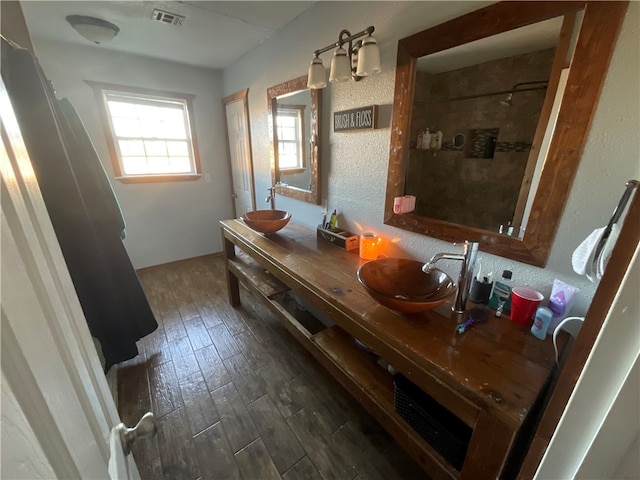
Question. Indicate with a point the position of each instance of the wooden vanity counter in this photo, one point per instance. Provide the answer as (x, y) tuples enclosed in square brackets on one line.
[(489, 377)]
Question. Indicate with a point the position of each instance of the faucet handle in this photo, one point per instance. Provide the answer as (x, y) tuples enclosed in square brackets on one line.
[(468, 245)]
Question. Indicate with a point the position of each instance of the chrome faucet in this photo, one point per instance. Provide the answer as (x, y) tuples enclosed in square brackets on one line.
[(271, 197), (468, 259)]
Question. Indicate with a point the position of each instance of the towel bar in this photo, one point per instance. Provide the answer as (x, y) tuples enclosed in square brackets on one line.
[(630, 186)]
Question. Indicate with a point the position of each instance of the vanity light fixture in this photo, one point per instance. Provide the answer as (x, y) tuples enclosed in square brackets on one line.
[(358, 60), (93, 29)]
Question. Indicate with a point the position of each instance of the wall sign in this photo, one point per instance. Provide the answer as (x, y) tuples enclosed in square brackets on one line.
[(363, 118)]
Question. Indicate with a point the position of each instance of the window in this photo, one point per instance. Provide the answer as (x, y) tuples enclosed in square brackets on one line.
[(290, 125), (149, 133)]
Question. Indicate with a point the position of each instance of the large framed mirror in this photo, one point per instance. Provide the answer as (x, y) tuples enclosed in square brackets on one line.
[(294, 127), (507, 93)]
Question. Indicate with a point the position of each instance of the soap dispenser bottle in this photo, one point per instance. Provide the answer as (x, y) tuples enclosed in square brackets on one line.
[(434, 141), (334, 220), (438, 137), (426, 140)]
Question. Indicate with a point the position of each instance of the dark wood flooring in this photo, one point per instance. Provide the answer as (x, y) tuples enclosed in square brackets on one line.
[(236, 396)]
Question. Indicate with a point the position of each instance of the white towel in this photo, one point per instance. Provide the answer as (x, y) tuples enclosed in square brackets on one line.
[(583, 255), (606, 250)]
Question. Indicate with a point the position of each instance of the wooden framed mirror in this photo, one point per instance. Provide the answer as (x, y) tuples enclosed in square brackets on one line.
[(294, 128), (585, 34)]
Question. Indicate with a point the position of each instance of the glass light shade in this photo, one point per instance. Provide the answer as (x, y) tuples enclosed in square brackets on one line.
[(93, 29), (340, 66), (317, 77), (368, 57)]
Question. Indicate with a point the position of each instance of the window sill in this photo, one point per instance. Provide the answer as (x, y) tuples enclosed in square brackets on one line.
[(158, 178), (290, 171)]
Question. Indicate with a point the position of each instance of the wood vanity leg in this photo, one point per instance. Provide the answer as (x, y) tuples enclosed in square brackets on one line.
[(233, 286), (490, 444)]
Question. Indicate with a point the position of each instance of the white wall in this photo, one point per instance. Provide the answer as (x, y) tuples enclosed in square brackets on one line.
[(354, 165), (165, 221)]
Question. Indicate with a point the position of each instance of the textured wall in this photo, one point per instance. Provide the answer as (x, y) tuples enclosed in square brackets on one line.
[(354, 166), (166, 221)]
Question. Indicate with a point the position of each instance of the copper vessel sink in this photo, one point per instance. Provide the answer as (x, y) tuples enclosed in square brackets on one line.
[(401, 285), (266, 221)]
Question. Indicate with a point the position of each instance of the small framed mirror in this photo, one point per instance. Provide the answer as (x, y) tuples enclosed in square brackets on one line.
[(294, 127)]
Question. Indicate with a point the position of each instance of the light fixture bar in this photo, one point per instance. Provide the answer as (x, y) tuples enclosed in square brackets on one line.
[(342, 41), (361, 59)]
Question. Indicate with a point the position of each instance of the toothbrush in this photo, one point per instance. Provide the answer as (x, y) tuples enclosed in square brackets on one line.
[(463, 327)]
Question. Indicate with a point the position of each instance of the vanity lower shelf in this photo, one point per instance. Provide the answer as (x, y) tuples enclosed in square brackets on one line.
[(356, 369), (360, 374), (488, 381)]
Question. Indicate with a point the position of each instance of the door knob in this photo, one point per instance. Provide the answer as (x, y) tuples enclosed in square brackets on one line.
[(145, 428)]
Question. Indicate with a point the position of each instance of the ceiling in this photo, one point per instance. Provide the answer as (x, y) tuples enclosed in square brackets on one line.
[(213, 34), (530, 38)]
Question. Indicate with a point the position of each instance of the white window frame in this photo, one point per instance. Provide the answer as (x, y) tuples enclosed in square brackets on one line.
[(140, 96), (297, 112)]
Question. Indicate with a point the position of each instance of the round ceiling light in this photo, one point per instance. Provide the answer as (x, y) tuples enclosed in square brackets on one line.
[(93, 29)]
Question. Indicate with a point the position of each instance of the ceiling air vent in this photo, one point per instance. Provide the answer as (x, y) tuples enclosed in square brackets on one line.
[(167, 17)]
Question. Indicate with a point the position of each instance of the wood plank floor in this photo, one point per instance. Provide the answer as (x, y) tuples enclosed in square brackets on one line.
[(237, 397)]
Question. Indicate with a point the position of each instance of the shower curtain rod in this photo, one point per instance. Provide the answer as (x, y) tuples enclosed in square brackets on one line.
[(490, 94)]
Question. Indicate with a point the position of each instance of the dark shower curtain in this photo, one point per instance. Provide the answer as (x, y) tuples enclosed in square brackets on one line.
[(83, 209)]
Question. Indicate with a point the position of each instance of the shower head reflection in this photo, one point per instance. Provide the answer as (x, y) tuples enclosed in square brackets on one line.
[(508, 102)]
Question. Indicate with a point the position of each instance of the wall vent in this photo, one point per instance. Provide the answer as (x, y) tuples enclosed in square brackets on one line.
[(167, 17)]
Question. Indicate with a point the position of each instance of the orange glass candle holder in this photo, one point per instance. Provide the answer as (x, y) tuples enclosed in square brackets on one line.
[(369, 245)]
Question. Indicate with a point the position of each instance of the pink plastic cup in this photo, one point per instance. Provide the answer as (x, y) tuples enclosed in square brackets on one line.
[(524, 302)]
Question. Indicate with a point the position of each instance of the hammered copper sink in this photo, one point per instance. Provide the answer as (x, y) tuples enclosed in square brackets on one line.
[(266, 221), (401, 285)]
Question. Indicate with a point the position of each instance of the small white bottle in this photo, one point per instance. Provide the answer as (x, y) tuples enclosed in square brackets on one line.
[(541, 322), (434, 140), (426, 140), (438, 139)]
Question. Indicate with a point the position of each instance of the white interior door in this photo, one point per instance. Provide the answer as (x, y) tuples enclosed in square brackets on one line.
[(239, 143), (57, 411), (602, 419)]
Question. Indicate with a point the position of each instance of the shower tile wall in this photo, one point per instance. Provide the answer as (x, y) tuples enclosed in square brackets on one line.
[(449, 183)]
